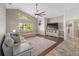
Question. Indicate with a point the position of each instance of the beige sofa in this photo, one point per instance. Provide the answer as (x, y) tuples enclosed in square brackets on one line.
[(26, 34), (21, 48)]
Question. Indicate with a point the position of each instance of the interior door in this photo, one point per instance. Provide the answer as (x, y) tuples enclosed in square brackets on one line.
[(76, 29), (70, 29)]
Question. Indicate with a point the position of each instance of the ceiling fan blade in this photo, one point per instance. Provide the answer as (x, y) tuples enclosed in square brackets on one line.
[(40, 15), (36, 14), (43, 12)]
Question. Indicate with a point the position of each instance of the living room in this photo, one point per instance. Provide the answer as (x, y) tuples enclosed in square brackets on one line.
[(37, 29)]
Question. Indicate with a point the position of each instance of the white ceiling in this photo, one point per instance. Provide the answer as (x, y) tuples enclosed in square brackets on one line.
[(52, 9)]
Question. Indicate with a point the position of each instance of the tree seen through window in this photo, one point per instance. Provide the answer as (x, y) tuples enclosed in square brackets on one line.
[(25, 26)]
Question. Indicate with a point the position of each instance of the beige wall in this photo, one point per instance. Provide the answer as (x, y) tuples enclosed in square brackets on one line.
[(72, 14), (2, 21), (41, 28), (13, 20)]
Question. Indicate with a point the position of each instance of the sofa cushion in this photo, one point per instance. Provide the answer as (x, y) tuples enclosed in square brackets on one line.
[(9, 42), (7, 34), (15, 37)]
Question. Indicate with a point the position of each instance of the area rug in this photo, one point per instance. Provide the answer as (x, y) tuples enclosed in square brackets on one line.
[(39, 44)]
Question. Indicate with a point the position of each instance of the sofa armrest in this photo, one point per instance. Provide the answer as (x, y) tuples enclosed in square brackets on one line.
[(21, 48)]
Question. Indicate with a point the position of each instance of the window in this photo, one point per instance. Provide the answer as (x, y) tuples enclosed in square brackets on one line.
[(25, 26)]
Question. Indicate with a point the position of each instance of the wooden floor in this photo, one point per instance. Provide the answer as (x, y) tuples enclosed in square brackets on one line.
[(57, 40)]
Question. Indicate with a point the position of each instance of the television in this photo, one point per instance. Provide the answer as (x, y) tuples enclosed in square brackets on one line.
[(52, 25)]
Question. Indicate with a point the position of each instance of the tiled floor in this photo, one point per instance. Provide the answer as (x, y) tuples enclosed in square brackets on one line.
[(69, 47)]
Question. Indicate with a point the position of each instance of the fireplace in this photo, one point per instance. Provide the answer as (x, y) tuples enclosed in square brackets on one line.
[(52, 29)]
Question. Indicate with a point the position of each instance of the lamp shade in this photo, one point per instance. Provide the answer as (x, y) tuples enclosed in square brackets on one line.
[(14, 30)]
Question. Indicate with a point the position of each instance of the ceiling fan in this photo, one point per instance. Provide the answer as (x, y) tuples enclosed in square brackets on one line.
[(38, 13)]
